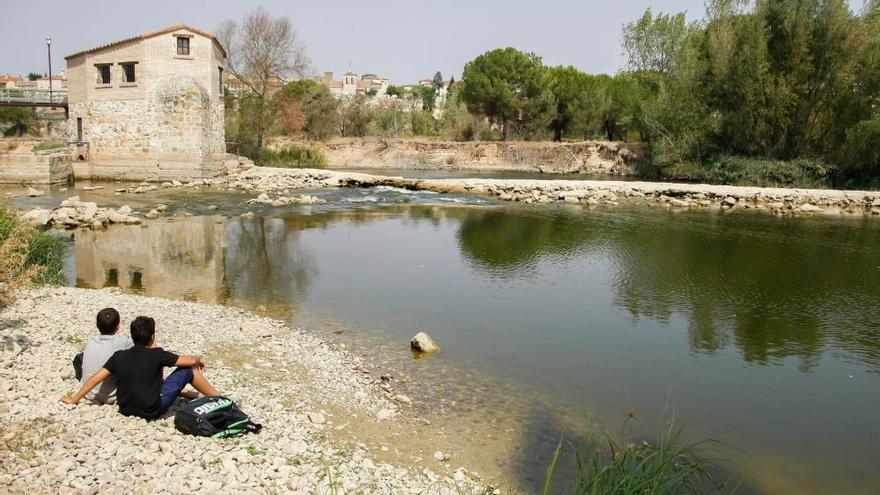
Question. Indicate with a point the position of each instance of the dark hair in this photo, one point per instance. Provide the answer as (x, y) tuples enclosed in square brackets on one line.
[(107, 321), (142, 330)]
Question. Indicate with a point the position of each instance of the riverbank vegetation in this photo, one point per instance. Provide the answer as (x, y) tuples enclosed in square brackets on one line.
[(604, 465), (773, 92), (294, 156), (28, 255)]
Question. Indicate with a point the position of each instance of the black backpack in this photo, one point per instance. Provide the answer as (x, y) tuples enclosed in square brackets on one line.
[(215, 417)]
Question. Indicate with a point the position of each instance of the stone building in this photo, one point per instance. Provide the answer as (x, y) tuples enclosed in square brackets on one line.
[(350, 86), (149, 107)]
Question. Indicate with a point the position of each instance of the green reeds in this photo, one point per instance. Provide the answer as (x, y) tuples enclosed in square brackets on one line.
[(667, 466)]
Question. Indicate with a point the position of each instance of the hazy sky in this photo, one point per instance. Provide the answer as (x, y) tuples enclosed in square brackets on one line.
[(405, 40)]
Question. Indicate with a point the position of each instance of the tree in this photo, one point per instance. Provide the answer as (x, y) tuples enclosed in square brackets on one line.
[(392, 121), (33, 76), (457, 123), (438, 80), (18, 120), (262, 52), (355, 117), (307, 106), (506, 86), (422, 123), (428, 97), (393, 90), (651, 42), (571, 93), (777, 79)]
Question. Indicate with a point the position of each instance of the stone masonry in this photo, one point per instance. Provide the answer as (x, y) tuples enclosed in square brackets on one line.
[(167, 123)]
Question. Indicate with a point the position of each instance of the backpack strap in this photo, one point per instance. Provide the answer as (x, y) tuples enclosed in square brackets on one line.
[(239, 428)]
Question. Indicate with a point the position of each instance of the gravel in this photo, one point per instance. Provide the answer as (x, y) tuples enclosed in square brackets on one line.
[(282, 377)]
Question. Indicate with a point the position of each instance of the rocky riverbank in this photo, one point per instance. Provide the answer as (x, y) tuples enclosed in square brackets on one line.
[(587, 157), (781, 201), (313, 398)]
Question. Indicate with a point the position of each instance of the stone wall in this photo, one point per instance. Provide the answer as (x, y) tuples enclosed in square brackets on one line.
[(176, 126), (35, 169), (168, 123)]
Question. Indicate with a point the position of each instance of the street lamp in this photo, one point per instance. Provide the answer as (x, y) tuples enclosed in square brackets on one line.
[(49, 49)]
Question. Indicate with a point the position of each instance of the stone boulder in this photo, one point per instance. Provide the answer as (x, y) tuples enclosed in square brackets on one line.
[(37, 216), (422, 342)]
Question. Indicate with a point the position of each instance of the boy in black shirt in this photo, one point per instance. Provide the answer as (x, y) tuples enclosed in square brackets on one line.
[(140, 390)]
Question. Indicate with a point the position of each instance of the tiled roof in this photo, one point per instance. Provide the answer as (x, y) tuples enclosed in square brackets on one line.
[(152, 34)]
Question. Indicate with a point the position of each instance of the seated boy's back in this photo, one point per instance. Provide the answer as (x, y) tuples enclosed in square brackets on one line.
[(98, 350), (138, 371)]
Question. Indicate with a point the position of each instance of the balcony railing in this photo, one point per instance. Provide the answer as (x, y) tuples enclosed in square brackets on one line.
[(36, 97)]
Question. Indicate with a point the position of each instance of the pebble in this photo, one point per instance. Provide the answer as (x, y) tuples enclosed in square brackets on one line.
[(82, 448)]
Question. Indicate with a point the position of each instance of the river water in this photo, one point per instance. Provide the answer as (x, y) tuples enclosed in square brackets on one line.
[(760, 333)]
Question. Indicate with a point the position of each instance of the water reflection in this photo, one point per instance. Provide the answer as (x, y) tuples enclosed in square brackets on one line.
[(267, 265), (773, 288), (179, 260)]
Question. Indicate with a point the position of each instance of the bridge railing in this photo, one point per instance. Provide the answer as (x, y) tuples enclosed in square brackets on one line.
[(33, 96)]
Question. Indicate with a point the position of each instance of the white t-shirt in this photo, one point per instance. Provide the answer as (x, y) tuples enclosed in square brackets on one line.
[(98, 350)]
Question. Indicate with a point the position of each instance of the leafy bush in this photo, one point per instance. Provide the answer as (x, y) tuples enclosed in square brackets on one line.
[(27, 256), (745, 171), (667, 467), (294, 156)]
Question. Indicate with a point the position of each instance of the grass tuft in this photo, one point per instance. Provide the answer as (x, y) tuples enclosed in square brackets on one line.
[(49, 145), (294, 156), (669, 466), (28, 256)]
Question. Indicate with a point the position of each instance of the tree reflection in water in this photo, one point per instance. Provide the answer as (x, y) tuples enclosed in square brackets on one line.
[(772, 287)]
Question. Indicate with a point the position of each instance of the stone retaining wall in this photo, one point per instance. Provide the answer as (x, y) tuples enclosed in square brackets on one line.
[(35, 169)]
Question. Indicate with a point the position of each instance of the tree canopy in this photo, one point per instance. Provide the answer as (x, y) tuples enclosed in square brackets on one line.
[(506, 86)]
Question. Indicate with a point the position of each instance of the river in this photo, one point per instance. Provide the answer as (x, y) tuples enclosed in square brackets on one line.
[(761, 333)]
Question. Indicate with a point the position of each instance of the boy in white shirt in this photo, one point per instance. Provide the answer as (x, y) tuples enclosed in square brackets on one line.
[(98, 350)]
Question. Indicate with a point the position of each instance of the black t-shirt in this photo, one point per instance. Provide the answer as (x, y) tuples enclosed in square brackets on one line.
[(138, 373)]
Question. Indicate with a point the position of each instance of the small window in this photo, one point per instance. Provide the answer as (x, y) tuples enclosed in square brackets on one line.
[(103, 74), (182, 45), (111, 278), (220, 71), (136, 277), (128, 72)]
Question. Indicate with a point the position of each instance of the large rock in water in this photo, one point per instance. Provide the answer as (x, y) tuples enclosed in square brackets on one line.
[(37, 216), (423, 342)]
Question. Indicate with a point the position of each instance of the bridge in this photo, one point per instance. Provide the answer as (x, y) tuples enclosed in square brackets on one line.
[(17, 97)]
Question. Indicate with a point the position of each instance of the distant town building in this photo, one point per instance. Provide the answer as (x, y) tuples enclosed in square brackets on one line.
[(59, 82), (149, 106), (349, 86), (10, 82)]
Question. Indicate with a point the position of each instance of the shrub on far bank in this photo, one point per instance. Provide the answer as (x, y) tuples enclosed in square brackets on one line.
[(745, 171), (294, 156), (28, 256)]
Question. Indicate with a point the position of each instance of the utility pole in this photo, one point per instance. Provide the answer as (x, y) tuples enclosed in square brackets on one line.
[(49, 49)]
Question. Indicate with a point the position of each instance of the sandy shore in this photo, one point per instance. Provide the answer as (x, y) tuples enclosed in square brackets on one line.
[(316, 402), (587, 192)]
